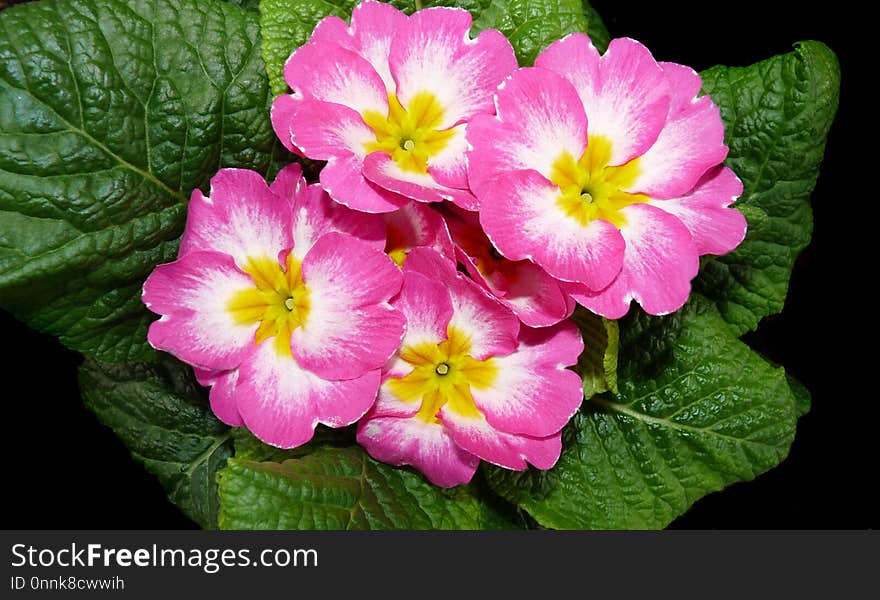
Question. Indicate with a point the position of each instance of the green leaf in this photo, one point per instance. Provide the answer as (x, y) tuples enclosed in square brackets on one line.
[(162, 415), (713, 414), (777, 115), (342, 488), (597, 365), (530, 25), (802, 397), (596, 28), (111, 112), (247, 446)]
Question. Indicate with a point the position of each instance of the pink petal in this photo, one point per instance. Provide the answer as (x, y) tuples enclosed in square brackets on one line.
[(343, 179), (660, 261), (540, 116), (192, 295), (715, 228), (241, 218), (503, 449), (223, 398), (288, 182), (281, 402), (381, 169), (434, 53), (533, 295), (449, 166), (331, 73), (374, 25), (281, 114), (350, 327), (418, 225), (321, 130), (624, 93), (491, 327), (315, 214), (524, 221), (691, 142), (534, 394), (427, 308), (426, 446), (431, 264)]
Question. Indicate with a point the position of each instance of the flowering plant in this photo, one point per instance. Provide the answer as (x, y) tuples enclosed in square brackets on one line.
[(409, 267)]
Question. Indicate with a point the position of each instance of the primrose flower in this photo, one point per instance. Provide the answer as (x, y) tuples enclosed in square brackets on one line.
[(534, 296), (605, 171), (279, 299), (468, 383), (387, 100)]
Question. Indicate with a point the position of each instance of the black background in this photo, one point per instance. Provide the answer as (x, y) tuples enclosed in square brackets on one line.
[(61, 469)]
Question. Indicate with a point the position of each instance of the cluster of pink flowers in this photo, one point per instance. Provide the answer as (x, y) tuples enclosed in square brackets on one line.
[(423, 287)]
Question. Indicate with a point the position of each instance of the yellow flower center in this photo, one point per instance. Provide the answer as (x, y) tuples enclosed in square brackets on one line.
[(591, 189), (279, 302), (409, 135), (443, 375)]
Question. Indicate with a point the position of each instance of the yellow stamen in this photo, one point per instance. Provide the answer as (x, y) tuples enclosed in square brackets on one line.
[(591, 188), (443, 375), (279, 302), (411, 135)]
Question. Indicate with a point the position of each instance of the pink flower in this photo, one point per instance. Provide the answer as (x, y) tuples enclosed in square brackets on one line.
[(468, 383), (279, 299), (387, 100), (605, 171), (534, 296)]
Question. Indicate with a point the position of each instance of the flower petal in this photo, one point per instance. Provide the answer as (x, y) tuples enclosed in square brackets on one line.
[(192, 294), (321, 130), (524, 287), (524, 221), (381, 169), (624, 93), (417, 225), (714, 227), (426, 446), (331, 73), (241, 218), (449, 166), (350, 327), (434, 53), (223, 399), (503, 449), (660, 261), (540, 116), (343, 179), (374, 25), (692, 141), (315, 214), (281, 402), (491, 327), (427, 308), (534, 394)]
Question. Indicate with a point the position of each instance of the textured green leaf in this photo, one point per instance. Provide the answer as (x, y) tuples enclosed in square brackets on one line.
[(711, 412), (162, 415), (530, 25), (111, 112), (777, 115), (248, 447), (802, 397), (597, 365), (342, 488)]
